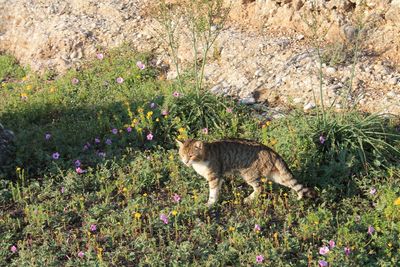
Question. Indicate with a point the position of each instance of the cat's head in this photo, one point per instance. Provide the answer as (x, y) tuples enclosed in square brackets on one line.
[(191, 151)]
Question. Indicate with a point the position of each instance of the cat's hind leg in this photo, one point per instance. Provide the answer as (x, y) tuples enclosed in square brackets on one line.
[(253, 181)]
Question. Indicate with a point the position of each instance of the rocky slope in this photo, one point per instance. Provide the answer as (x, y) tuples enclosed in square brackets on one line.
[(265, 52)]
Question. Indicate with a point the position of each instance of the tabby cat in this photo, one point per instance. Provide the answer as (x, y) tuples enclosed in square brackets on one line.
[(250, 159)]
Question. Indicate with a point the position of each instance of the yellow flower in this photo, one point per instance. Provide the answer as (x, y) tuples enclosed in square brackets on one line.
[(273, 142), (149, 114), (24, 78), (52, 90), (29, 87), (124, 189), (81, 198), (269, 182), (137, 215), (181, 130), (275, 235), (263, 179), (24, 95), (285, 194), (174, 212), (166, 116), (316, 222), (231, 228), (397, 202), (18, 169), (157, 120), (390, 245), (140, 110), (145, 194), (134, 121)]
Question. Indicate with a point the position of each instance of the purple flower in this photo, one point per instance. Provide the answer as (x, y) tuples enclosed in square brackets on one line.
[(176, 198), (164, 218), (62, 190), (150, 136), (140, 65), (322, 139), (77, 163), (259, 258), (153, 105), (205, 130), (47, 136), (101, 154), (164, 112), (371, 230), (108, 141), (114, 131), (79, 170), (257, 228), (13, 249), (322, 263), (99, 56), (176, 94), (372, 191), (81, 254), (56, 155), (86, 147), (129, 129), (93, 227), (97, 140), (347, 251), (323, 250), (332, 244), (119, 80), (74, 81)]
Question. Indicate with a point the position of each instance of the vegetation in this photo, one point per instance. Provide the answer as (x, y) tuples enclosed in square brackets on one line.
[(97, 181)]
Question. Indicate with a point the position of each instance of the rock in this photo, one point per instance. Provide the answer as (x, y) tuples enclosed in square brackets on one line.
[(330, 70), (248, 100), (393, 81), (309, 106), (391, 94)]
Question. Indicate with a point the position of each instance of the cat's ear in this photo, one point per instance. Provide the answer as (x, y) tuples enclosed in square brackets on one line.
[(180, 144), (198, 145)]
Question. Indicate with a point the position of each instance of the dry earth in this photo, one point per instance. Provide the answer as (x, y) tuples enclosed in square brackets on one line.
[(264, 53)]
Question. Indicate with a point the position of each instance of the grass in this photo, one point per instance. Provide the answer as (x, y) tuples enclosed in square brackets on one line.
[(110, 214)]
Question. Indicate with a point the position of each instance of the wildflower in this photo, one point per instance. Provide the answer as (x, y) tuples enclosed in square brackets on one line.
[(24, 96), (97, 140), (137, 215), (56, 155), (140, 65), (13, 249), (372, 191), (332, 244), (77, 163), (129, 129), (149, 136), (231, 229), (322, 139), (145, 194), (86, 147), (229, 110), (108, 141), (176, 94), (347, 251), (62, 190), (174, 212), (153, 105), (322, 263), (47, 136), (99, 56), (29, 87), (164, 218), (52, 89), (181, 130), (176, 198), (205, 130), (93, 227), (397, 202), (81, 254), (119, 80), (259, 259), (74, 81), (101, 154), (323, 250), (371, 230), (140, 110), (149, 114), (79, 170), (164, 112), (257, 228)]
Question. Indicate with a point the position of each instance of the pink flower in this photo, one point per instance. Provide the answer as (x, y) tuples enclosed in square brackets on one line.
[(259, 258), (13, 249), (62, 190), (79, 170), (164, 218), (119, 80), (322, 139), (81, 254), (229, 110), (129, 129), (93, 227), (205, 130), (47, 136), (347, 251), (176, 94), (99, 56), (372, 191), (56, 155), (257, 228), (371, 230), (140, 65), (332, 244), (164, 112), (323, 250), (176, 198), (74, 81), (322, 263), (149, 136)]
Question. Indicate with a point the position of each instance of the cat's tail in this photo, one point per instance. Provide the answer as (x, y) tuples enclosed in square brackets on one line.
[(285, 177)]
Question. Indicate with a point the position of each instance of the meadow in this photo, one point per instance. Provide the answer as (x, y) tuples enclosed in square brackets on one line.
[(96, 179)]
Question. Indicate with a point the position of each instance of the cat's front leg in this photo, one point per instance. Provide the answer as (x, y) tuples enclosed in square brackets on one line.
[(214, 184)]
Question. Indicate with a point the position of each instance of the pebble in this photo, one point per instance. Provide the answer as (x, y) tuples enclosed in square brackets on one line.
[(393, 81), (330, 70), (309, 106)]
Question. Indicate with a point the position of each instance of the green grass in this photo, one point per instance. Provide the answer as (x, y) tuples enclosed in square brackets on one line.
[(47, 208)]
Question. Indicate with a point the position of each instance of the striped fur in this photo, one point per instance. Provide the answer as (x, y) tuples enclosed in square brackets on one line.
[(251, 159)]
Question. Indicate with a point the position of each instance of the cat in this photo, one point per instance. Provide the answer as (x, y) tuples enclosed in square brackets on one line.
[(250, 159)]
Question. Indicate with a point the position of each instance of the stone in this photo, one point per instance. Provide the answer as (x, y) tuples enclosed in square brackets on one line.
[(393, 81), (309, 106), (330, 70)]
